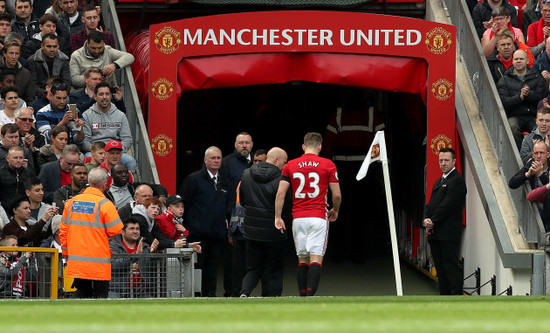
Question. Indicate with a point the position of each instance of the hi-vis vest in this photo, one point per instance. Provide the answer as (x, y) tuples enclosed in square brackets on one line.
[(89, 219), (350, 133)]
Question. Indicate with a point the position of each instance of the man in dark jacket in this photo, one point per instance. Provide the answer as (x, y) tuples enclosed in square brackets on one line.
[(481, 14), (25, 23), (10, 138), (13, 175), (23, 81), (443, 223), (48, 61), (501, 59), (265, 245), (56, 174), (520, 91), (535, 171), (234, 259), (207, 208)]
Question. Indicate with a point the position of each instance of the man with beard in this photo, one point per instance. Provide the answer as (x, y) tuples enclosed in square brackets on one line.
[(233, 167), (96, 53), (79, 175), (138, 268), (104, 122)]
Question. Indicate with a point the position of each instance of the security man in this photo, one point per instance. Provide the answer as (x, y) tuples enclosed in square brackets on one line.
[(89, 219)]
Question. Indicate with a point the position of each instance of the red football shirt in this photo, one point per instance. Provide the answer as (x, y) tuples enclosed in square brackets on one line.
[(66, 178), (309, 177)]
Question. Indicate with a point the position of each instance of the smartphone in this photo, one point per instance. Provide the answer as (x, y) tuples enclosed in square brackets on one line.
[(72, 108)]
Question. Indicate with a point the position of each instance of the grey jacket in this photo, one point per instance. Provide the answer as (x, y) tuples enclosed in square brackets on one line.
[(40, 72), (527, 145), (41, 212), (8, 272), (81, 60), (106, 126)]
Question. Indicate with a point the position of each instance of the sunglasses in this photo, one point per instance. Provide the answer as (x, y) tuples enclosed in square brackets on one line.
[(30, 120)]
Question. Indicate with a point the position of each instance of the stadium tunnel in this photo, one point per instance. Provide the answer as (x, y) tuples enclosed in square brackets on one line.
[(277, 97), (279, 114)]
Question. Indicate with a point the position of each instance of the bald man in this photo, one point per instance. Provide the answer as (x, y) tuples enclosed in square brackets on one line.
[(265, 245), (520, 90)]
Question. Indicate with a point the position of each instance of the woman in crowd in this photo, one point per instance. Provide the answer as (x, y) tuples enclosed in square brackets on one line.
[(52, 151)]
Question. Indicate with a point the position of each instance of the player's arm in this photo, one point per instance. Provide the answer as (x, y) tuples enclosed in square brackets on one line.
[(279, 203), (336, 201)]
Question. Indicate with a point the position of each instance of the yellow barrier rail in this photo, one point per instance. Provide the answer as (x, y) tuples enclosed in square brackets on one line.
[(55, 263)]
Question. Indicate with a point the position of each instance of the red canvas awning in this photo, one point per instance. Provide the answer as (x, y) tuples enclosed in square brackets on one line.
[(370, 71)]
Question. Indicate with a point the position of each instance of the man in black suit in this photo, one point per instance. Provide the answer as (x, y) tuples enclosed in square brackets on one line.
[(443, 223)]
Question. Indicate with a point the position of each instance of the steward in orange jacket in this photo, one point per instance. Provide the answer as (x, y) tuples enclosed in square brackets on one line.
[(89, 219)]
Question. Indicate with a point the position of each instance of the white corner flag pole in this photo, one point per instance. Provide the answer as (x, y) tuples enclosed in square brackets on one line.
[(378, 152)]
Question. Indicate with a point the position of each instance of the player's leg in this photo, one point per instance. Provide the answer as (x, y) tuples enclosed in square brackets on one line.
[(316, 246), (299, 231)]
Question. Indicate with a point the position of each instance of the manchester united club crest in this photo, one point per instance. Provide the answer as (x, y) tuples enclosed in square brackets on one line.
[(440, 141), (438, 40), (442, 89), (162, 145), (162, 89), (375, 151), (167, 40)]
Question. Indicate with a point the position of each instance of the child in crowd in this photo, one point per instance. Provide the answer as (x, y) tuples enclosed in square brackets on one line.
[(98, 155), (12, 269), (170, 222)]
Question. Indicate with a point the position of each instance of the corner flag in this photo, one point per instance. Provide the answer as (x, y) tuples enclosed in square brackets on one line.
[(377, 152)]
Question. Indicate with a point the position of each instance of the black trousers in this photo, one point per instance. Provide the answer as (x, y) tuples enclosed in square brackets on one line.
[(239, 266), (91, 288), (212, 252), (445, 255), (265, 260)]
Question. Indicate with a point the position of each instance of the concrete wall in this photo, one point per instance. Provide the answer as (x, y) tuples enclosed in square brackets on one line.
[(480, 250)]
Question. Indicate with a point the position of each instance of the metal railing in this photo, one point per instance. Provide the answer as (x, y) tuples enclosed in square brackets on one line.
[(35, 278), (141, 149), (492, 112), (171, 274), (148, 275)]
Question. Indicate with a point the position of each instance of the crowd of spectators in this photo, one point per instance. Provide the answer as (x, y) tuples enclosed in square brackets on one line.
[(61, 116), (518, 55)]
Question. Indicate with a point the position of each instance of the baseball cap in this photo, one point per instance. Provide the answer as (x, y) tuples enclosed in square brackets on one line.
[(113, 144), (173, 199)]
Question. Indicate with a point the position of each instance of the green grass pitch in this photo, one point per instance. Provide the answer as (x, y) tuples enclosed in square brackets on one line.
[(286, 314)]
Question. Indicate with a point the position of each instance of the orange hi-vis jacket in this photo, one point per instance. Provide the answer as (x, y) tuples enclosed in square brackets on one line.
[(89, 219)]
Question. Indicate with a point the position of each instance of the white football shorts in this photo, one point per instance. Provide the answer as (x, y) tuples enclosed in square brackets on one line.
[(310, 236)]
